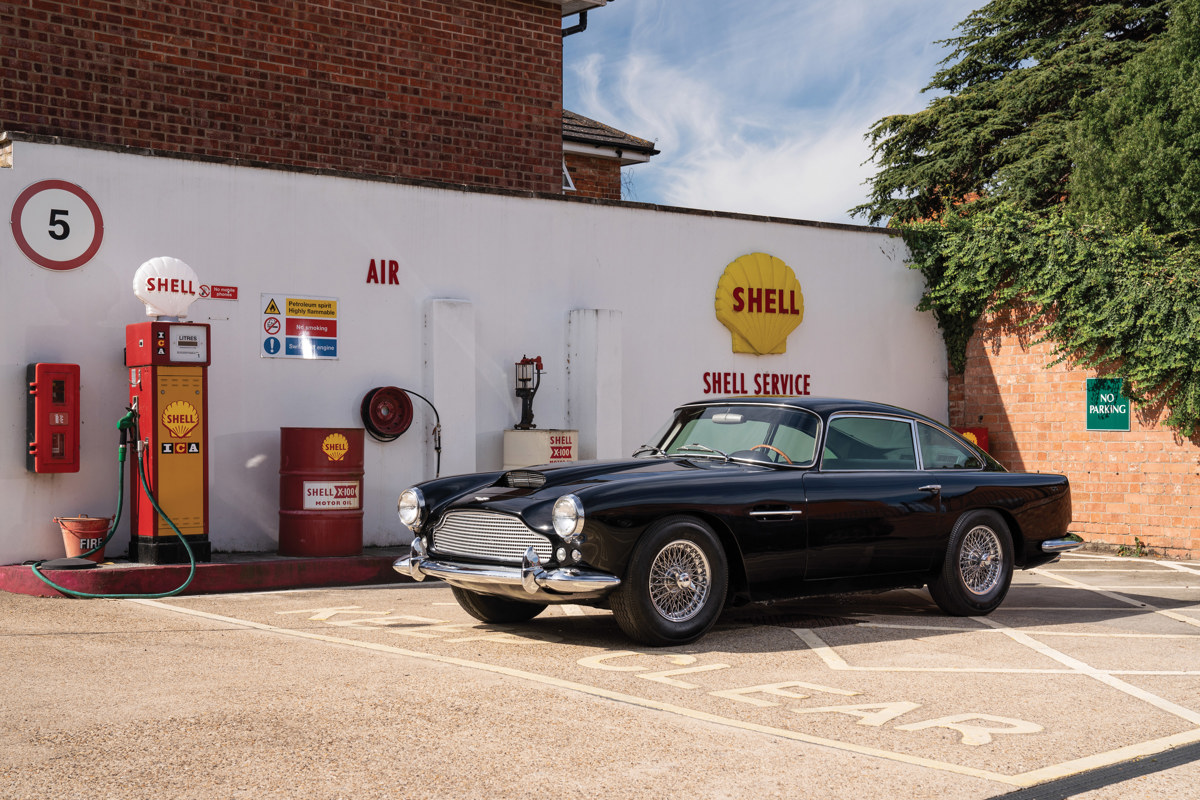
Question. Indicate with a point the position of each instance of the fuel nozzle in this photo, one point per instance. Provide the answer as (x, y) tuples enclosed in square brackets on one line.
[(126, 423)]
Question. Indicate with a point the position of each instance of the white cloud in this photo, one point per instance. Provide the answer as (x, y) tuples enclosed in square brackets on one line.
[(758, 108)]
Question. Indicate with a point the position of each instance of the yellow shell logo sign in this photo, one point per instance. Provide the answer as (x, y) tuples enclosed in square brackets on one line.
[(759, 300), (180, 418), (335, 446)]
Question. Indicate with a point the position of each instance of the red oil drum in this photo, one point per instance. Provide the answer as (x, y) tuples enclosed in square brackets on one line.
[(320, 491)]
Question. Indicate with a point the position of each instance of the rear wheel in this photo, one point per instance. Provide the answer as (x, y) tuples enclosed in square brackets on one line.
[(978, 567), (674, 588), (489, 608)]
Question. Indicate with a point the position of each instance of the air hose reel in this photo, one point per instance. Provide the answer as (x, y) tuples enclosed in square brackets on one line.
[(387, 412)]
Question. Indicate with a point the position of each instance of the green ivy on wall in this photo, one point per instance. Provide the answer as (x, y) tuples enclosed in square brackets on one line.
[(1105, 299)]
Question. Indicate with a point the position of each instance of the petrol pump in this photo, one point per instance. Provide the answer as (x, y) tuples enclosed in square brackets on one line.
[(168, 363)]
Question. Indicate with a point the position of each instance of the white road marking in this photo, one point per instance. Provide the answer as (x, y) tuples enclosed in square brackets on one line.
[(1103, 676), (1114, 595), (967, 725), (1034, 631), (596, 691)]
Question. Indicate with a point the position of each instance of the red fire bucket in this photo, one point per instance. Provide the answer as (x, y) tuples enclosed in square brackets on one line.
[(83, 533)]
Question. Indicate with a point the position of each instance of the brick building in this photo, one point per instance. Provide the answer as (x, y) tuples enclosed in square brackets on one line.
[(1137, 490), (465, 92), (594, 153)]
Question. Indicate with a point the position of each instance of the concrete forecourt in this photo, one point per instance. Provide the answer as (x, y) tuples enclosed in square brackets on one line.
[(1086, 682)]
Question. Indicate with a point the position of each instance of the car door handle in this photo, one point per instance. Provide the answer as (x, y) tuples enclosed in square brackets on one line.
[(932, 488)]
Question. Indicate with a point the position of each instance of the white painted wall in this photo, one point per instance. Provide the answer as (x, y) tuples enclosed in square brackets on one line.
[(484, 279)]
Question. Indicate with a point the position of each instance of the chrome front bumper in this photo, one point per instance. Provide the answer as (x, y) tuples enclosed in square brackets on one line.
[(568, 582), (1060, 545)]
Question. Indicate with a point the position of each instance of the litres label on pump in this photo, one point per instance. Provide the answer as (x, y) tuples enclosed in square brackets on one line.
[(332, 495)]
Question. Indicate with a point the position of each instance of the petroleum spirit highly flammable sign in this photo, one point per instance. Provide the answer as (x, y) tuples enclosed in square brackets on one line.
[(295, 326), (760, 302)]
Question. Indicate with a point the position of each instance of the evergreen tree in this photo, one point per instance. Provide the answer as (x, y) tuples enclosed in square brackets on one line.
[(1013, 85), (1137, 145)]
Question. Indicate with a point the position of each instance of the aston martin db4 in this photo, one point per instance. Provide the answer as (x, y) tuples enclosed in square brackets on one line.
[(738, 500)]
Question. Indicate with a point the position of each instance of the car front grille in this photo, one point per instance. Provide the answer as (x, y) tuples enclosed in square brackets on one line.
[(487, 535)]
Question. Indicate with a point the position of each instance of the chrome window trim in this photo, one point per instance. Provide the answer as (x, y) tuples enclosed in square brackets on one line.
[(912, 433), (913, 422), (958, 437)]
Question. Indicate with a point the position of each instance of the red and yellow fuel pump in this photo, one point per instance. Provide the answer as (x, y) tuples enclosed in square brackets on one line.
[(168, 364)]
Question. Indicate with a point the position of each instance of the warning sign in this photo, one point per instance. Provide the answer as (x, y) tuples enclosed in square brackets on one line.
[(299, 327)]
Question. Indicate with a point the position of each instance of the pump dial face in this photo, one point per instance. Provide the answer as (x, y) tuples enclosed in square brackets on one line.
[(188, 344)]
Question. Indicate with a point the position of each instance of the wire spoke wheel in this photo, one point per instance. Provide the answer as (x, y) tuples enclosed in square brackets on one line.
[(675, 583), (977, 569), (981, 560), (679, 581)]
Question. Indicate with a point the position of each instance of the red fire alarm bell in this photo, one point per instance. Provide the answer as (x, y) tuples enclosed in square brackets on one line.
[(52, 418)]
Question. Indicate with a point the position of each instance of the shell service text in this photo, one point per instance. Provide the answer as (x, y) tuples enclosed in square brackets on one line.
[(768, 383)]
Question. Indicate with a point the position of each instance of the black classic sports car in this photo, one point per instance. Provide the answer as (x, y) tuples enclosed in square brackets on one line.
[(740, 500)]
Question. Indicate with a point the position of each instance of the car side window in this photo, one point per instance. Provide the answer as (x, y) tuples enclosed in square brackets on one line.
[(939, 450), (869, 443)]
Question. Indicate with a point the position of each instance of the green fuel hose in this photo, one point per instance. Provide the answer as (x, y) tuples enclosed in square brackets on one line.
[(128, 421)]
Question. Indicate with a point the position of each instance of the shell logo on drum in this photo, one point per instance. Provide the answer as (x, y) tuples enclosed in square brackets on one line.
[(760, 302), (335, 446), (180, 418)]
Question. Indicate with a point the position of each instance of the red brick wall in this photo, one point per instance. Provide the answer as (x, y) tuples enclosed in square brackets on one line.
[(1143, 484), (595, 177), (464, 91)]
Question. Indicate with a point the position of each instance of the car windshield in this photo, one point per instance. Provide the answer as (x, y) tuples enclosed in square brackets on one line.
[(763, 433)]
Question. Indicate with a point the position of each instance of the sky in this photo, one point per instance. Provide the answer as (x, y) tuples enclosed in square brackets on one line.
[(757, 106)]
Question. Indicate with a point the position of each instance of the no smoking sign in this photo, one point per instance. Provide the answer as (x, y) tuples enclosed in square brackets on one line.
[(57, 225)]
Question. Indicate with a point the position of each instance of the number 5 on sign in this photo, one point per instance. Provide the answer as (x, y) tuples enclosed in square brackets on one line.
[(57, 225)]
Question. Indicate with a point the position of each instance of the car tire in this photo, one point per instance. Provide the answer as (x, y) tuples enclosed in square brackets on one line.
[(489, 608), (674, 587), (978, 566)]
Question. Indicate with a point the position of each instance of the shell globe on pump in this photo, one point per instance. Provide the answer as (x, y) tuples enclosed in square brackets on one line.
[(167, 286)]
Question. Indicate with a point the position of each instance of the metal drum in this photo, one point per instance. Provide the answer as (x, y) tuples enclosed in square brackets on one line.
[(320, 491)]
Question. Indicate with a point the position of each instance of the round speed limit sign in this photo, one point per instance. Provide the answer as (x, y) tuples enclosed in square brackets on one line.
[(57, 225)]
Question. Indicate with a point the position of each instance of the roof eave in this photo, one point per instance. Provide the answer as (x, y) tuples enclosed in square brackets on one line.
[(570, 7), (624, 155)]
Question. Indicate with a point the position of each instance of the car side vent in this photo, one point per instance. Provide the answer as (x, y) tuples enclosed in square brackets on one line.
[(524, 479)]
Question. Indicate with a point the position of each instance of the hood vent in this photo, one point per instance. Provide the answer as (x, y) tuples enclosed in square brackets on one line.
[(523, 479)]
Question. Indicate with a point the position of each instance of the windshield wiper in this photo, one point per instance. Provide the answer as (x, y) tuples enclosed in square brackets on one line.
[(649, 448), (703, 447)]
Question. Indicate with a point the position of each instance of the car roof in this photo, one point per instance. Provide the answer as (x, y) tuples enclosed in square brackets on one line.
[(824, 406)]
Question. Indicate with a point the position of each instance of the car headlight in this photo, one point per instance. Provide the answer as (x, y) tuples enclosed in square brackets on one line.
[(567, 517), (411, 508)]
